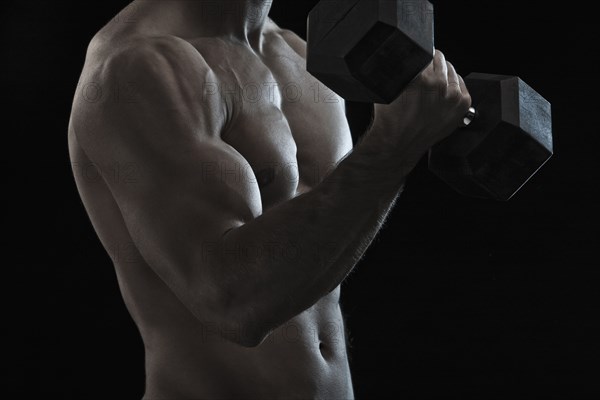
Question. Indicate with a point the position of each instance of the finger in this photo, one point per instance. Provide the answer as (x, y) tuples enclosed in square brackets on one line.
[(463, 85), (454, 90), (466, 96), (430, 69), (439, 63), (453, 78)]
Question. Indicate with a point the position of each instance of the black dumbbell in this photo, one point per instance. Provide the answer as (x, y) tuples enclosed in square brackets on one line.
[(370, 51)]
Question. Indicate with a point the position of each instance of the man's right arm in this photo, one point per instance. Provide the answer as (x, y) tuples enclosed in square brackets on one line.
[(192, 228)]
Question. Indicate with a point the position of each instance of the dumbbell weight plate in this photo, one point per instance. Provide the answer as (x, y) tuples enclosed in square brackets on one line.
[(508, 142), (369, 50)]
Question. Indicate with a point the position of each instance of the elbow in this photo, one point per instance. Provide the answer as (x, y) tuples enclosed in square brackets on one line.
[(248, 334), (228, 311), (249, 331), (251, 338), (237, 325)]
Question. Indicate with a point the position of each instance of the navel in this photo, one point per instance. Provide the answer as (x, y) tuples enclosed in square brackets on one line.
[(265, 176)]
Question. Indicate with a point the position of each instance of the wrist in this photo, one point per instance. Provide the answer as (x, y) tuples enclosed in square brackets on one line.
[(386, 142)]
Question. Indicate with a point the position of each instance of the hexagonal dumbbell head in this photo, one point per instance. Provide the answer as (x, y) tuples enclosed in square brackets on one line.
[(508, 142), (369, 50)]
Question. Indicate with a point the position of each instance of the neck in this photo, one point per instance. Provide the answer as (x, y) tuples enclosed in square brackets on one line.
[(243, 20)]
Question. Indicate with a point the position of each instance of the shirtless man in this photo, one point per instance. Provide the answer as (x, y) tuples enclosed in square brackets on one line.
[(243, 209)]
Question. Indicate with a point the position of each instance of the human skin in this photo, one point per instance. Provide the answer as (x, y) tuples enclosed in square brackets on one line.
[(242, 211)]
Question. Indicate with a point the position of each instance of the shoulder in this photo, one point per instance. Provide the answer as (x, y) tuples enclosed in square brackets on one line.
[(161, 68), (291, 38), (149, 59), (157, 80)]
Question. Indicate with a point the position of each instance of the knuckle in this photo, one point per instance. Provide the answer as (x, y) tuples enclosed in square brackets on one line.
[(453, 89), (467, 99), (464, 102), (454, 96)]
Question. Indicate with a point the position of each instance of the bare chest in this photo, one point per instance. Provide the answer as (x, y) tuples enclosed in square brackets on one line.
[(290, 128)]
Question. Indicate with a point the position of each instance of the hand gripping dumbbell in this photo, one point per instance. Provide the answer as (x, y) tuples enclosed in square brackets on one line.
[(370, 51)]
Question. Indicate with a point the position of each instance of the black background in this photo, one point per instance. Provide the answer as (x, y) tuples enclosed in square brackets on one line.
[(456, 296)]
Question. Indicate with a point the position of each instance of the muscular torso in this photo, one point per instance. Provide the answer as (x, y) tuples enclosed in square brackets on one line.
[(285, 125)]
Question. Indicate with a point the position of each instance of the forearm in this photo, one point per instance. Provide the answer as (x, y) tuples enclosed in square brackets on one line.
[(284, 261)]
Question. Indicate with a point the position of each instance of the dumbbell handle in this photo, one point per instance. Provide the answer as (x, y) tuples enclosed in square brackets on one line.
[(469, 117)]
